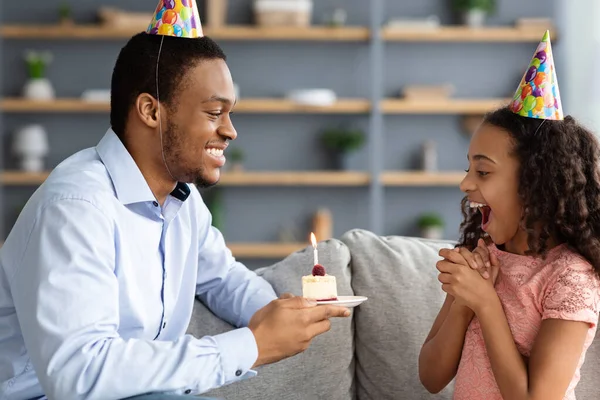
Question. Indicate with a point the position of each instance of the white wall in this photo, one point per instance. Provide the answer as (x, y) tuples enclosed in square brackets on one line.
[(577, 56)]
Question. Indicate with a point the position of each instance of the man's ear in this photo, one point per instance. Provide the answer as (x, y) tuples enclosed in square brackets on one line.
[(146, 108)]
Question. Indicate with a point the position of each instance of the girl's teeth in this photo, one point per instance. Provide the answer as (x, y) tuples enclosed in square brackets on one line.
[(473, 204)]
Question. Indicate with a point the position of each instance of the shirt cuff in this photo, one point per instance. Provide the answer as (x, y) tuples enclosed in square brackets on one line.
[(239, 352)]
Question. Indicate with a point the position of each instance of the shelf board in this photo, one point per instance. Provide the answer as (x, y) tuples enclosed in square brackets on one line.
[(19, 178), (259, 250), (248, 106), (233, 32), (401, 178), (52, 106), (313, 33), (286, 178), (277, 106), (342, 106), (464, 34), (265, 250), (449, 106), (308, 178)]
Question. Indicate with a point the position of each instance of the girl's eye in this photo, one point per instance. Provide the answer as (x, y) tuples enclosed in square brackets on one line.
[(215, 114), (480, 173)]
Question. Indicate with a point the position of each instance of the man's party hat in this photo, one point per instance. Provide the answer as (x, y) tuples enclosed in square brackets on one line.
[(537, 95), (179, 18)]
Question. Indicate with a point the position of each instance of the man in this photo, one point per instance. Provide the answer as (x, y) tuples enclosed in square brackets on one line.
[(98, 275)]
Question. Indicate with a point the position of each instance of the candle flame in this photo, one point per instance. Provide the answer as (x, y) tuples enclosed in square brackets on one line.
[(313, 240)]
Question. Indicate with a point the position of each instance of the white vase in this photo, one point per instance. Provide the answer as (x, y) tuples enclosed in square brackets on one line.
[(30, 146), (474, 18), (32, 164), (38, 89), (432, 232)]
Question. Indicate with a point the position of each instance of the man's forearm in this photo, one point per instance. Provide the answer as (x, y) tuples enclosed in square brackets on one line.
[(118, 368), (238, 295)]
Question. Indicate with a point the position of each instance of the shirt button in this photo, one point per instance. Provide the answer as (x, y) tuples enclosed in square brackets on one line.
[(155, 203), (188, 391), (238, 372)]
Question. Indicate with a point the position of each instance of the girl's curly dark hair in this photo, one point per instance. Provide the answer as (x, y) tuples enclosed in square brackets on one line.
[(559, 185)]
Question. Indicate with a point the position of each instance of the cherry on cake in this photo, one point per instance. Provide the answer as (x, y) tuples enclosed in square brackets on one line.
[(319, 286)]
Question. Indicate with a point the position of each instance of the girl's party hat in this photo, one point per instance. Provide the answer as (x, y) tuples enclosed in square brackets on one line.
[(537, 95), (179, 18)]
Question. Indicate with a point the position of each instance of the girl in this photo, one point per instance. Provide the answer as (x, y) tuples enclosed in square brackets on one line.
[(533, 193)]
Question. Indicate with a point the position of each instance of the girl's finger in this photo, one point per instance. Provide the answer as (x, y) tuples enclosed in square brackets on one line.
[(484, 251), (468, 256), (444, 277), (479, 260)]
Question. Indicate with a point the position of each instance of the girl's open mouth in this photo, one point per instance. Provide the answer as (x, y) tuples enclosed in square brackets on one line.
[(486, 213)]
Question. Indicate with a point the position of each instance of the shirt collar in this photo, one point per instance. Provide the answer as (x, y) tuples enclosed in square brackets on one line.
[(128, 181)]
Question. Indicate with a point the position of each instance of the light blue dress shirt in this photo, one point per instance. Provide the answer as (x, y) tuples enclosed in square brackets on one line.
[(97, 286)]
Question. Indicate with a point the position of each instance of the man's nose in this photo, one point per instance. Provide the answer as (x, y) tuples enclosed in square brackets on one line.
[(227, 129)]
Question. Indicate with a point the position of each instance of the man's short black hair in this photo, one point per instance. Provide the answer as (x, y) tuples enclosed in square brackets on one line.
[(135, 70)]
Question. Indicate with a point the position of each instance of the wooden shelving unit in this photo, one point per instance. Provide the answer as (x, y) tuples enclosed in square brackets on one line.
[(450, 106), (375, 38), (248, 106), (463, 34), (244, 33), (308, 178), (401, 178)]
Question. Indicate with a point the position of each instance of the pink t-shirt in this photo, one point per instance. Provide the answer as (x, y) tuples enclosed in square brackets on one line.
[(564, 286)]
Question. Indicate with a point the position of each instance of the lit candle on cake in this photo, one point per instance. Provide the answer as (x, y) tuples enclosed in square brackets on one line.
[(313, 240), (318, 285)]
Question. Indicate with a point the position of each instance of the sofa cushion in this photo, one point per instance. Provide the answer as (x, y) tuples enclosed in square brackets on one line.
[(399, 277), (588, 387), (326, 369)]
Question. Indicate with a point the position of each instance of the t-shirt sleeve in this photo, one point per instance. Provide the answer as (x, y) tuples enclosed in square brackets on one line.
[(573, 294)]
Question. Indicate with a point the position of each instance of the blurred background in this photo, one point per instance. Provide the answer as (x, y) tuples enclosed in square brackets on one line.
[(351, 113)]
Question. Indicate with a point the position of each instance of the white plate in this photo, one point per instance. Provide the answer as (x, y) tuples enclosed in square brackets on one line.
[(345, 301)]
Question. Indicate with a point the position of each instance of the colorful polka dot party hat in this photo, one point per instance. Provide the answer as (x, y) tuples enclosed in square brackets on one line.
[(179, 18), (538, 95)]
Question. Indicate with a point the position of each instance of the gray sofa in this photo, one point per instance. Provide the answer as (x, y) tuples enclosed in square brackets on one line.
[(372, 355)]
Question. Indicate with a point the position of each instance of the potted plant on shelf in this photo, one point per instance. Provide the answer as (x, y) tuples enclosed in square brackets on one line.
[(214, 202), (474, 12), (236, 158), (65, 14), (38, 87), (342, 142), (431, 226)]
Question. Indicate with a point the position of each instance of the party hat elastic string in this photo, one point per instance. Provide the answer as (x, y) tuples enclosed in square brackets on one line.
[(160, 130)]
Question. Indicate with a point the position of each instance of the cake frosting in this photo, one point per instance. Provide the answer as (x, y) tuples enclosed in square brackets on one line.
[(319, 286)]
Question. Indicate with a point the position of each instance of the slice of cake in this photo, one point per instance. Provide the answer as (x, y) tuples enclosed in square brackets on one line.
[(319, 285)]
